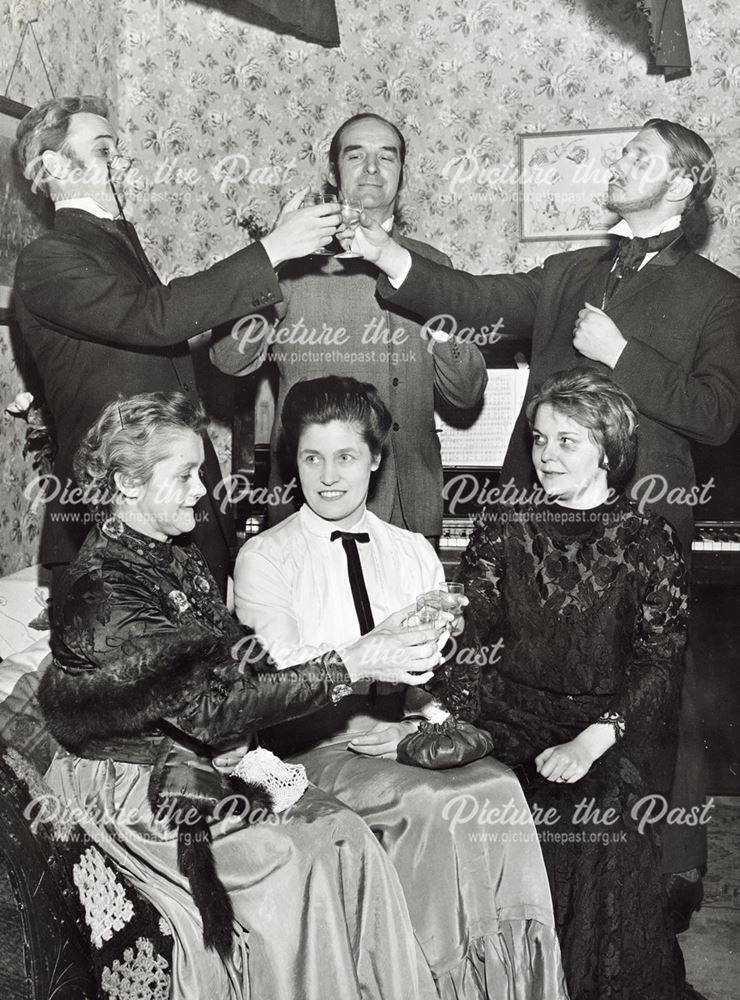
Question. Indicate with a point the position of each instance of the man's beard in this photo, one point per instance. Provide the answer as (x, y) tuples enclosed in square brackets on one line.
[(638, 204)]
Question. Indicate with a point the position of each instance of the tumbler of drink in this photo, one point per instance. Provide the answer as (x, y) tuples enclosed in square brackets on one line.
[(322, 198), (429, 606), (350, 210), (451, 595)]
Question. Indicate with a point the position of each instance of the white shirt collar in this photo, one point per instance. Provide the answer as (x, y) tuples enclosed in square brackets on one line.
[(319, 526), (388, 224), (86, 204), (623, 227)]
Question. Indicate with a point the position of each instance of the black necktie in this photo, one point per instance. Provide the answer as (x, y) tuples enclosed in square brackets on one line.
[(631, 253), (356, 579)]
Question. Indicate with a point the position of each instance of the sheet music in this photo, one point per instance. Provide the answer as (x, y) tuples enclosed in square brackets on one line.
[(484, 443)]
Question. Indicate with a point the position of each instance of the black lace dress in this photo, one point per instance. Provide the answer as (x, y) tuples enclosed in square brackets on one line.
[(578, 615)]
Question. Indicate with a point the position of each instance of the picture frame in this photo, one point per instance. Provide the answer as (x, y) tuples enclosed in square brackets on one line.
[(563, 178), (21, 218)]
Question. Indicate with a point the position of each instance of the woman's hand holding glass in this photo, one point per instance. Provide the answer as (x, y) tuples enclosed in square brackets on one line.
[(395, 652), (444, 606)]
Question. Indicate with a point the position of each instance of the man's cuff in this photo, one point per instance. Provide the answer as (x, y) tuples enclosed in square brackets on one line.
[(402, 273)]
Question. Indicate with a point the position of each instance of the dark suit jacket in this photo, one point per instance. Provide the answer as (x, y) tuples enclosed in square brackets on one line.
[(680, 315), (343, 296), (99, 324)]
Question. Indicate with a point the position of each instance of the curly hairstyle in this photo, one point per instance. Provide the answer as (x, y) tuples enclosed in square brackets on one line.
[(335, 397), (46, 127), (596, 402), (129, 437)]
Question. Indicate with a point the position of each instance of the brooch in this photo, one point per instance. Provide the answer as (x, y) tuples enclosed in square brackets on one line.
[(202, 584), (178, 601), (113, 527)]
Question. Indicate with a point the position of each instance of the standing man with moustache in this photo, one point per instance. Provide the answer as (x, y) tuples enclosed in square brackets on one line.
[(378, 343), (97, 320), (662, 320)]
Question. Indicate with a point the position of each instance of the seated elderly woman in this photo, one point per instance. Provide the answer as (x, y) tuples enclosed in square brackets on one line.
[(474, 881), (147, 684), (586, 595)]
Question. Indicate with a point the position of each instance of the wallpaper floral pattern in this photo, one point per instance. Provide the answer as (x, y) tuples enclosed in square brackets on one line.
[(226, 120)]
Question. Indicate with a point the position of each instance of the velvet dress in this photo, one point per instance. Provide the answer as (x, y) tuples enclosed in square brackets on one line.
[(586, 612), (141, 635)]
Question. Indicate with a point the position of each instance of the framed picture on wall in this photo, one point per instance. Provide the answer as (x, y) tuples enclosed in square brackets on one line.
[(562, 183), (21, 213)]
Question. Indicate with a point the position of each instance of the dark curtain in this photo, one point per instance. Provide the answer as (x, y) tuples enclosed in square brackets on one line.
[(311, 20), (669, 43)]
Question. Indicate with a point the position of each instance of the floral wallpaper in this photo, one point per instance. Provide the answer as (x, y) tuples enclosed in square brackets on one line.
[(225, 120), (78, 45)]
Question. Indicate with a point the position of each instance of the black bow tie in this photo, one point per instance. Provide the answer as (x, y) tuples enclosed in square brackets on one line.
[(632, 251), (630, 254), (359, 536)]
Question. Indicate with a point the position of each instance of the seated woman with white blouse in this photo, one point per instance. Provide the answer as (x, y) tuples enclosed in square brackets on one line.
[(475, 883)]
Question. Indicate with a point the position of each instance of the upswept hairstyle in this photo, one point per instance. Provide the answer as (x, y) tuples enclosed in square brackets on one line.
[(129, 437), (336, 142), (46, 127), (596, 402), (335, 397), (690, 155)]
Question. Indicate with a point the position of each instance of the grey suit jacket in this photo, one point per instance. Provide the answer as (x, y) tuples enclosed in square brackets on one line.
[(328, 324)]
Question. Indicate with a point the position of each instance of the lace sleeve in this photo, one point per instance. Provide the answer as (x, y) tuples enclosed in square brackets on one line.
[(457, 684), (648, 696)]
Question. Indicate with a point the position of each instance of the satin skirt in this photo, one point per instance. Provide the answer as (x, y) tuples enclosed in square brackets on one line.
[(319, 912), (465, 847)]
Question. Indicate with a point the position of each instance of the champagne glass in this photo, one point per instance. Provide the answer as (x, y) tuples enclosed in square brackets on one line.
[(322, 198), (350, 209)]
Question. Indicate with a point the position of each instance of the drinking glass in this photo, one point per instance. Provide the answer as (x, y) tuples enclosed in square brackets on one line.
[(451, 593), (350, 209), (322, 198), (429, 606)]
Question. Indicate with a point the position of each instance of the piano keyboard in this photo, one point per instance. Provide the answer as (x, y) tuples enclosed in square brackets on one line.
[(713, 549), (716, 536)]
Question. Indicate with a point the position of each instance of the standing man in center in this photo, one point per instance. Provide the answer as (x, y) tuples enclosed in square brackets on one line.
[(356, 334)]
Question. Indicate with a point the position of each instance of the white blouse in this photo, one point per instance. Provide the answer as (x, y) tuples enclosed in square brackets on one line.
[(292, 587)]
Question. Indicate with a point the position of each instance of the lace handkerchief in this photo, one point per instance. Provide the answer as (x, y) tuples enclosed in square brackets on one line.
[(285, 783)]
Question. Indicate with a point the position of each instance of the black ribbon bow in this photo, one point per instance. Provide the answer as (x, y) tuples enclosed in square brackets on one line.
[(630, 254), (356, 578)]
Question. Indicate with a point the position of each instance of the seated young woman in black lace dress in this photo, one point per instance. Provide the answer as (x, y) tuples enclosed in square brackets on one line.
[(586, 598), (148, 685)]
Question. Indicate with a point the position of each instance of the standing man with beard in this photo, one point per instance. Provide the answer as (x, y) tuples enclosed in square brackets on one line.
[(663, 321), (99, 323)]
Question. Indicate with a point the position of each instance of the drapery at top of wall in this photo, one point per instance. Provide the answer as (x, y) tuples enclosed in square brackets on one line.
[(669, 42), (309, 20)]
